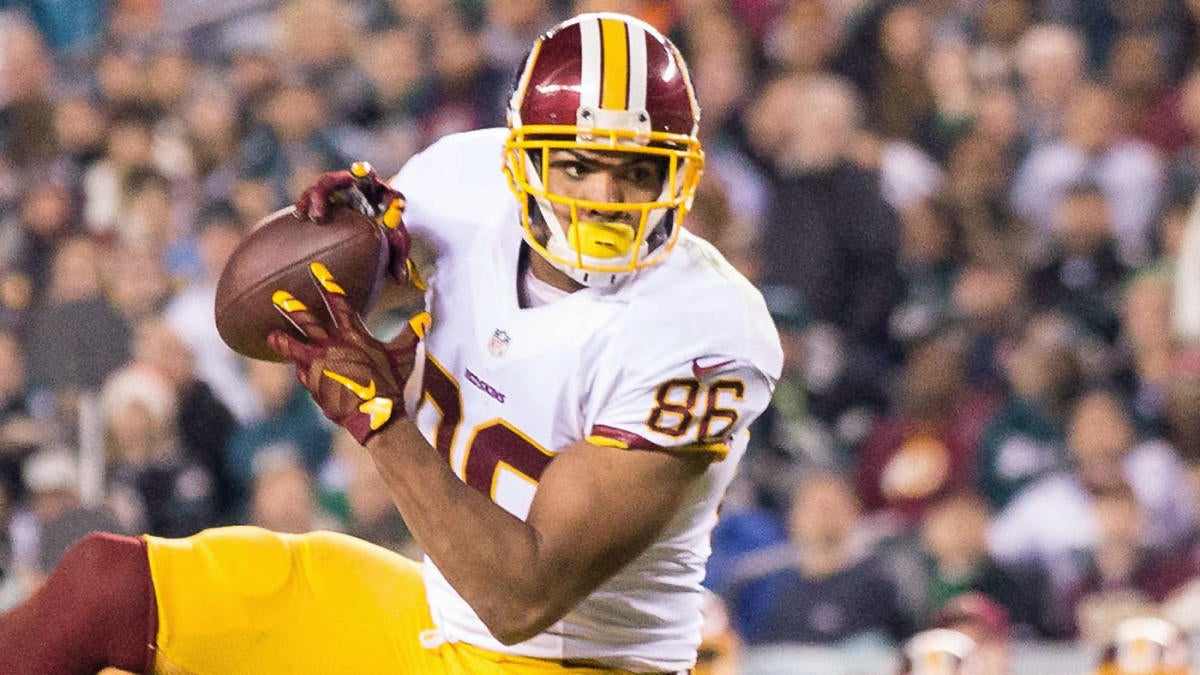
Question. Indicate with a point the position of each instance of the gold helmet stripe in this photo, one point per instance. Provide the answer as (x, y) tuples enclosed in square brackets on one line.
[(615, 56)]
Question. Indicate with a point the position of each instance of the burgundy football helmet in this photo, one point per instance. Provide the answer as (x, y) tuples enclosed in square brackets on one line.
[(612, 83)]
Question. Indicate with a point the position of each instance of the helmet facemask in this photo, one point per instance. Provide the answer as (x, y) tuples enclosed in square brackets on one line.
[(589, 248)]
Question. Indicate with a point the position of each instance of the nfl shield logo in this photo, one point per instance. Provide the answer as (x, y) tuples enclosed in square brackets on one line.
[(499, 343)]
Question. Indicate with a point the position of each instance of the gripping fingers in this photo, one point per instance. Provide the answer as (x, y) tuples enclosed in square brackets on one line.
[(292, 349), (322, 193), (339, 308), (312, 201), (297, 314), (392, 216)]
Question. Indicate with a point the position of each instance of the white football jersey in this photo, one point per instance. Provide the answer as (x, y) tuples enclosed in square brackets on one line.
[(682, 356)]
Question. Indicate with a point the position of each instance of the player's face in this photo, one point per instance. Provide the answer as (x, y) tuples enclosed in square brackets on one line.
[(608, 177)]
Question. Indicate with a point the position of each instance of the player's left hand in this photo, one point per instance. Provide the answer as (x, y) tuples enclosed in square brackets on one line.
[(356, 380), (362, 188)]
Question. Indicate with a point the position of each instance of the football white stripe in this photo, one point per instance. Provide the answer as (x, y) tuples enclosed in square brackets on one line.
[(589, 79), (637, 67)]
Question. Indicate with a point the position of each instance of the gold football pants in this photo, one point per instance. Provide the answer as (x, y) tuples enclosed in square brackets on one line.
[(247, 601)]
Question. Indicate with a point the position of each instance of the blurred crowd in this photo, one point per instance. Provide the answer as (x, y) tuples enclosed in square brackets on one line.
[(972, 220)]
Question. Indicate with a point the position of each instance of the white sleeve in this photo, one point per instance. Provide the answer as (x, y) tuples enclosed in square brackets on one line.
[(697, 404)]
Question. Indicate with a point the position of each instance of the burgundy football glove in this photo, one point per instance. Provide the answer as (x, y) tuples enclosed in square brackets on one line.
[(361, 188), (356, 380)]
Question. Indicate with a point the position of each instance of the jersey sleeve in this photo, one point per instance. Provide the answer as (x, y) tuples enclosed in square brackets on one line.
[(691, 362), (696, 405)]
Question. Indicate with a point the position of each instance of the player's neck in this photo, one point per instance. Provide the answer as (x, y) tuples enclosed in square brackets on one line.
[(545, 272)]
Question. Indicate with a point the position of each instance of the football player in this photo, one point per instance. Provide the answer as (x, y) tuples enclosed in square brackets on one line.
[(589, 374)]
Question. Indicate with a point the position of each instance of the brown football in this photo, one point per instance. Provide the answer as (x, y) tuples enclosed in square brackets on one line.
[(275, 256)]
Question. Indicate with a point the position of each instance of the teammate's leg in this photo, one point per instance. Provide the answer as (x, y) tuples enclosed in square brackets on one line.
[(96, 610), (247, 600)]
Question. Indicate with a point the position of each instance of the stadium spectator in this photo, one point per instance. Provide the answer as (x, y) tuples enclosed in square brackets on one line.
[(1180, 568), (398, 83), (292, 145), (281, 493), (192, 317), (1137, 69), (827, 217), (989, 303), (139, 287), (1084, 271), (1094, 150), (1000, 26), (352, 489), (1184, 167), (803, 39), (20, 432), (45, 222), (211, 132), (1025, 438), (203, 423), (153, 486), (926, 449), (905, 98), (288, 416), (109, 183), (810, 369), (1106, 454), (323, 60), (1050, 63), (953, 536), (510, 27), (76, 337), (974, 203), (79, 133), (53, 516), (822, 586), (731, 181), (1120, 567), (1147, 344), (26, 107), (467, 92)]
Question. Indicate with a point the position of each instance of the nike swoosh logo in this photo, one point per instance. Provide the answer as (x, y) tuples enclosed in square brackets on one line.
[(365, 393), (700, 371), (378, 411)]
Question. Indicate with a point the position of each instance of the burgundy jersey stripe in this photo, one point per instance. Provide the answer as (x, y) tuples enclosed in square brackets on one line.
[(627, 438)]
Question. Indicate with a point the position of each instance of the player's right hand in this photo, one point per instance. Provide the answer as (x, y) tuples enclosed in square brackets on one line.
[(362, 188), (356, 380)]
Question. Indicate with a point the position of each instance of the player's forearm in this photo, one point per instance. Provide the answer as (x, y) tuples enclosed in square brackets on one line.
[(493, 559)]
